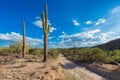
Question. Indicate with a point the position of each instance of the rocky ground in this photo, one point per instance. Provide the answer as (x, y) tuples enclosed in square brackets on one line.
[(12, 68)]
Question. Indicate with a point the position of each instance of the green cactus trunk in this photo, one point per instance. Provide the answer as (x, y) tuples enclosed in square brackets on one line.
[(74, 49), (46, 28), (24, 39), (45, 48)]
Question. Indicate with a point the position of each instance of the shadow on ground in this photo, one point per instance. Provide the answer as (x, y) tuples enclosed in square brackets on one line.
[(111, 75), (71, 66)]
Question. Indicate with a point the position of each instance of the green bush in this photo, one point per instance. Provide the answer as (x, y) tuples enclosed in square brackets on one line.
[(116, 58), (4, 51), (35, 51), (14, 48), (97, 55), (108, 60), (53, 53)]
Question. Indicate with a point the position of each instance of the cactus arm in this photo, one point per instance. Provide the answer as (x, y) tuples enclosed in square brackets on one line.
[(43, 21), (46, 16), (48, 30)]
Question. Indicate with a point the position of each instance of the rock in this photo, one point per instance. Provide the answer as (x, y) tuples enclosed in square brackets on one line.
[(30, 60), (46, 72)]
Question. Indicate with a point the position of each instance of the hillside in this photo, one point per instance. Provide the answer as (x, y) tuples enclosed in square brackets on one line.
[(111, 45)]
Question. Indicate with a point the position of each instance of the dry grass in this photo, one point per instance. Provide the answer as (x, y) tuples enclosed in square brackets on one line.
[(67, 76)]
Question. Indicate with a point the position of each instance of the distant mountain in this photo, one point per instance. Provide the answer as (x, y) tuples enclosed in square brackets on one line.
[(111, 45)]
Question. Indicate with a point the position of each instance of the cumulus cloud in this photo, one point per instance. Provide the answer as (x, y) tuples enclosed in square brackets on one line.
[(52, 29), (37, 17), (75, 22), (51, 37), (12, 36), (85, 39), (63, 35), (38, 23), (15, 37), (88, 22), (108, 31), (112, 21), (100, 21)]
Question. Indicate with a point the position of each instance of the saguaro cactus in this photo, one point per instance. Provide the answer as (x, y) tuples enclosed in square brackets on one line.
[(24, 39), (74, 49), (46, 29)]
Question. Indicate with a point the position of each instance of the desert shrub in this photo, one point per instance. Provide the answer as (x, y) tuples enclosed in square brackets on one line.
[(97, 55), (86, 55), (62, 51), (108, 59), (82, 55), (35, 51), (116, 58), (4, 51), (14, 48), (68, 52), (53, 53), (91, 55), (113, 56)]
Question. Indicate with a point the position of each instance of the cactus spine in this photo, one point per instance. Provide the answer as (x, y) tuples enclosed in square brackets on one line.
[(46, 28), (24, 39)]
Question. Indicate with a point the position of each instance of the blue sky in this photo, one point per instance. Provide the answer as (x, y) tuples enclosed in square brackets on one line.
[(80, 22)]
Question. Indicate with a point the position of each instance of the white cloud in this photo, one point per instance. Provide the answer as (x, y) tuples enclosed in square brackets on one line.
[(104, 36), (113, 21), (88, 22), (38, 23), (115, 10), (37, 17), (82, 35), (85, 39), (51, 37), (12, 36), (63, 35), (75, 22), (15, 37), (52, 29), (100, 21)]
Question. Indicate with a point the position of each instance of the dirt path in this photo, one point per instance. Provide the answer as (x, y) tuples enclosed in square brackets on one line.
[(79, 72)]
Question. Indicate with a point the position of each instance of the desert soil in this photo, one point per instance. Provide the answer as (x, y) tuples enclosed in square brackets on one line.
[(27, 69), (12, 68)]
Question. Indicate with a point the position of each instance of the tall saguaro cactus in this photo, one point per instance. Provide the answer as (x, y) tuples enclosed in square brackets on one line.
[(74, 49), (24, 39), (46, 28)]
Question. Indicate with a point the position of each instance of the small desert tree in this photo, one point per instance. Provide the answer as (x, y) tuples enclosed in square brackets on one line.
[(46, 29), (24, 39)]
